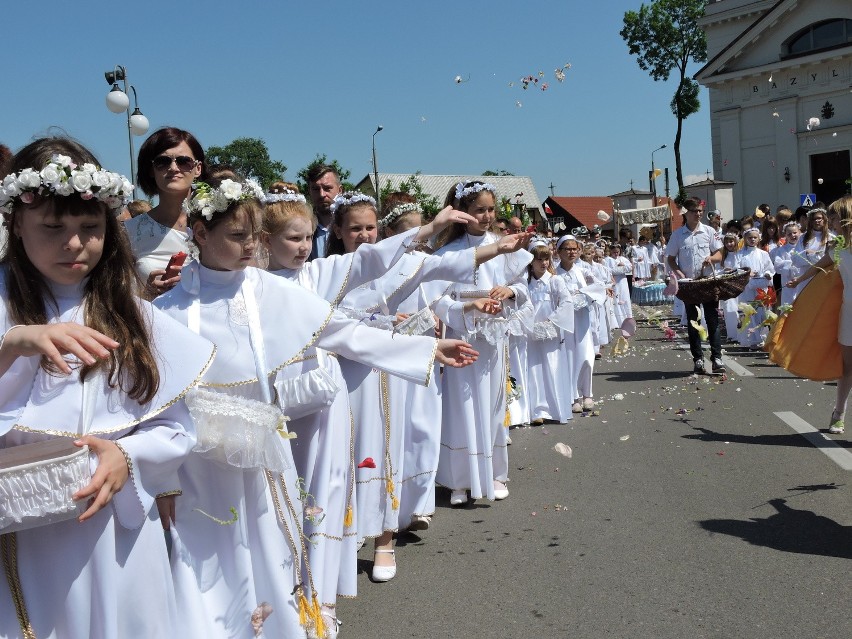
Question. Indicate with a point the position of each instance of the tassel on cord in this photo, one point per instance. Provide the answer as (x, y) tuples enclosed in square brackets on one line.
[(347, 518), (304, 608), (391, 488), (394, 503), (319, 622), (507, 421)]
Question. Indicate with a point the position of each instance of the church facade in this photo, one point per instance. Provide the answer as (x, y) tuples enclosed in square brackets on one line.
[(779, 73)]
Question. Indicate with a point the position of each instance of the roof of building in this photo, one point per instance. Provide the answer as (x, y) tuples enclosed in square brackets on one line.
[(508, 186), (584, 209), (632, 192), (708, 182)]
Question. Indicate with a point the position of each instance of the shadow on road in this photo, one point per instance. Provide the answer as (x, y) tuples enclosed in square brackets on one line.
[(792, 439), (646, 376), (789, 530)]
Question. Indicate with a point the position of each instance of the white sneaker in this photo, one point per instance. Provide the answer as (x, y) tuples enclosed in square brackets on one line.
[(420, 522), (500, 490), (458, 497)]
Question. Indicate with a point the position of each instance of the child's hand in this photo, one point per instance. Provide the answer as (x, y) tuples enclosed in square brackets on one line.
[(512, 243), (55, 340), (166, 508), (501, 293), (400, 318), (486, 305), (455, 353), (109, 478), (158, 283), (448, 216)]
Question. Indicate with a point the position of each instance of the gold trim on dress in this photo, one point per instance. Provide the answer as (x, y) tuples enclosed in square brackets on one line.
[(9, 551)]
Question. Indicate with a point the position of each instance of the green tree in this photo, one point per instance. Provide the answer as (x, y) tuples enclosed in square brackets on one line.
[(248, 157), (498, 173), (665, 36), (429, 204), (321, 159)]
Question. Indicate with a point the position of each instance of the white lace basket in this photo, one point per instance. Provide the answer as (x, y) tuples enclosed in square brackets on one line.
[(237, 431), (37, 482)]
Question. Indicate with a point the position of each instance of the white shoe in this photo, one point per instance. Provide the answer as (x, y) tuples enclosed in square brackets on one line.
[(458, 497), (577, 407), (508, 441), (420, 522), (500, 490), (588, 403), (384, 573)]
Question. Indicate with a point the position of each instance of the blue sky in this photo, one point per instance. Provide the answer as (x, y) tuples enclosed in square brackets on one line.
[(318, 77)]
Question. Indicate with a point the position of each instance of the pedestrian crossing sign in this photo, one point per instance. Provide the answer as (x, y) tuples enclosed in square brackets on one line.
[(808, 199)]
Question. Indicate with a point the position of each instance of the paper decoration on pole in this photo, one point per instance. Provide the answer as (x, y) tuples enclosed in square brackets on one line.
[(644, 216), (603, 216)]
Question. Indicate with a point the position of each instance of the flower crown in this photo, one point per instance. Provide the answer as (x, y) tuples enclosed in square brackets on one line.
[(397, 212), (207, 200), (476, 187), (61, 176), (287, 196), (348, 198)]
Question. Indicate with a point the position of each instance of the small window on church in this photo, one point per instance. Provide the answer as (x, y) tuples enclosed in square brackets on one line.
[(819, 37)]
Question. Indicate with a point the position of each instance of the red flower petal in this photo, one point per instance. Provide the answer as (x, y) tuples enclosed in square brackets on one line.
[(367, 463)]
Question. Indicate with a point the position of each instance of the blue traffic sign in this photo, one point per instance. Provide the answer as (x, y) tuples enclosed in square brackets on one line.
[(807, 199)]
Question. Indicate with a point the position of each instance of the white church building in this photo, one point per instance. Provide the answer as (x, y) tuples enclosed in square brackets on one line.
[(779, 74)]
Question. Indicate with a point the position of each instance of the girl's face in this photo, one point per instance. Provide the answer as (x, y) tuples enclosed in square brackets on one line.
[(792, 234), (731, 244), (177, 177), (771, 232), (482, 208), (818, 222), (359, 227), (64, 248), (229, 246), (751, 239), (568, 254), (539, 267), (588, 253), (291, 246)]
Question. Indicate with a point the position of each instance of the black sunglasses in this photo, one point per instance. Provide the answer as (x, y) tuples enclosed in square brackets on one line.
[(182, 162)]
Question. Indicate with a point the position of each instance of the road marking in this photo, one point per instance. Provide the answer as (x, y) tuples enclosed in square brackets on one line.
[(818, 440), (739, 370)]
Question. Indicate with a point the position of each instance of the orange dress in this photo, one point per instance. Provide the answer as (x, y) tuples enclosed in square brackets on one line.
[(804, 342)]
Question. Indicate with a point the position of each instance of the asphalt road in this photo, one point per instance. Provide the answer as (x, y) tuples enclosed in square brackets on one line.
[(689, 509)]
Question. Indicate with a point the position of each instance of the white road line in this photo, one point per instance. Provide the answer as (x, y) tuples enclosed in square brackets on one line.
[(835, 453), (736, 368)]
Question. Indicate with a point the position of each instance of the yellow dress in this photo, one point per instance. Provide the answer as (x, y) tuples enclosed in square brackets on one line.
[(804, 342)]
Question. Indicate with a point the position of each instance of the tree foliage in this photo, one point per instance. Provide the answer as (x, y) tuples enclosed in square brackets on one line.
[(319, 160), (498, 173), (665, 37), (250, 158), (429, 204)]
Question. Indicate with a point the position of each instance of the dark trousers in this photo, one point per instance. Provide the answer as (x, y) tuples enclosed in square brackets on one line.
[(711, 315)]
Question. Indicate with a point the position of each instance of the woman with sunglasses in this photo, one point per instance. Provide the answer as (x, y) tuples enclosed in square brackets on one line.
[(169, 160)]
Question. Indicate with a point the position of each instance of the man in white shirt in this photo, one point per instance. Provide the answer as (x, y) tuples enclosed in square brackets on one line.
[(688, 250)]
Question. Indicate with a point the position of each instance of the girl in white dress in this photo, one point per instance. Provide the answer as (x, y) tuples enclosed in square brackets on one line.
[(620, 267), (68, 281), (730, 307), (474, 431), (810, 248), (782, 260), (550, 378), (751, 333), (584, 293), (228, 577)]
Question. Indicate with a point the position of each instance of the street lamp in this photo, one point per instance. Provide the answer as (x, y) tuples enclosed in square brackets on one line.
[(118, 101), (654, 176), (376, 168)]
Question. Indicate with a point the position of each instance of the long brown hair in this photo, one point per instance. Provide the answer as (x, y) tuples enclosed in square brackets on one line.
[(111, 306), (335, 244), (457, 230), (809, 232)]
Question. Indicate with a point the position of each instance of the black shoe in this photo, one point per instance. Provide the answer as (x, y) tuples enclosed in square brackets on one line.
[(698, 369), (718, 367)]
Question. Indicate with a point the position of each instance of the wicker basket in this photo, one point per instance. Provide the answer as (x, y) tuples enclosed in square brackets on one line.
[(713, 288)]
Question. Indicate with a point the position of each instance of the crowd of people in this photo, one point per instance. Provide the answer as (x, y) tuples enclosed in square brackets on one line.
[(264, 382)]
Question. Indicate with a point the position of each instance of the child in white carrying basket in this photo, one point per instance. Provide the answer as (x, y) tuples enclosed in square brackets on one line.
[(84, 363)]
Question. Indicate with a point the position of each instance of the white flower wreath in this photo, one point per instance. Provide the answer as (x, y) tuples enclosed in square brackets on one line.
[(350, 197), (61, 176), (207, 200), (476, 187)]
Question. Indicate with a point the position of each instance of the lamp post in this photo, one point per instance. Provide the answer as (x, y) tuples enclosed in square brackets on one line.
[(653, 175), (118, 101), (376, 168)]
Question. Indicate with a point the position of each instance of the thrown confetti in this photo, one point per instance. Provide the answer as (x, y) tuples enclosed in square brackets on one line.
[(618, 397), (624, 438), (564, 450), (458, 79), (259, 615), (813, 123)]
